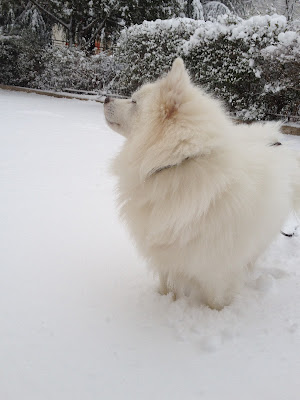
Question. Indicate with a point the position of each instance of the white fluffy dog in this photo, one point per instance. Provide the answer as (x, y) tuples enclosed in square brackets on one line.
[(201, 196)]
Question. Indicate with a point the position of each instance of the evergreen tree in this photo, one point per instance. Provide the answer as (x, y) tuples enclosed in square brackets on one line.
[(213, 9), (137, 11), (22, 18), (287, 7), (85, 20), (242, 8)]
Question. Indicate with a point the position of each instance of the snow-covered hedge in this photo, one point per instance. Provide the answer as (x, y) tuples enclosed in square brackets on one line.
[(146, 51), (25, 63), (281, 92), (72, 68), (229, 56), (253, 65), (20, 60)]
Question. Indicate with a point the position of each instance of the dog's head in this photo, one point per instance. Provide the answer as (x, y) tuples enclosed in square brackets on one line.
[(161, 99), (165, 122)]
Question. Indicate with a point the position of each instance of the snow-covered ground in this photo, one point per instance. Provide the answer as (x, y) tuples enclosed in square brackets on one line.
[(80, 317)]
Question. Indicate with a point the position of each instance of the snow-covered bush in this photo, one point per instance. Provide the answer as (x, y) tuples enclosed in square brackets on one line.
[(233, 58), (20, 60), (146, 51), (281, 74), (220, 62), (71, 68), (225, 56), (8, 60)]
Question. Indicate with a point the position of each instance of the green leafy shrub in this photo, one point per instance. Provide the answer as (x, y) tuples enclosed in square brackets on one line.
[(231, 57), (65, 67), (20, 60), (146, 51)]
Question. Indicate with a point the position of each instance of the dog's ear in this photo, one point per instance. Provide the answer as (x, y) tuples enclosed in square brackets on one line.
[(173, 88)]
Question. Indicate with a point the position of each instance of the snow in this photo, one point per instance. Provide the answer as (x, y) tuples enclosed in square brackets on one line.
[(153, 27), (80, 317), (254, 29), (287, 38)]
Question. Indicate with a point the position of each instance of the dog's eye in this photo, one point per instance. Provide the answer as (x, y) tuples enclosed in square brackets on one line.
[(133, 101)]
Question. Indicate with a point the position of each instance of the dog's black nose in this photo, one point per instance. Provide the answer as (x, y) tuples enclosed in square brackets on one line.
[(107, 100)]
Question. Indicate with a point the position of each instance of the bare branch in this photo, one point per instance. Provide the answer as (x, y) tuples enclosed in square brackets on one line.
[(96, 32), (85, 28)]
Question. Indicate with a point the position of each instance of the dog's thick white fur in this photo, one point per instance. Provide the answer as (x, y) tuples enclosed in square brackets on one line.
[(201, 196)]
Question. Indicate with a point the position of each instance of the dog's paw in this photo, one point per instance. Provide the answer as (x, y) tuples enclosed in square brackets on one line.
[(165, 291)]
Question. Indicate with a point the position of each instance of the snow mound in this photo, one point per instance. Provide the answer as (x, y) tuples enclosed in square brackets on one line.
[(80, 315)]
